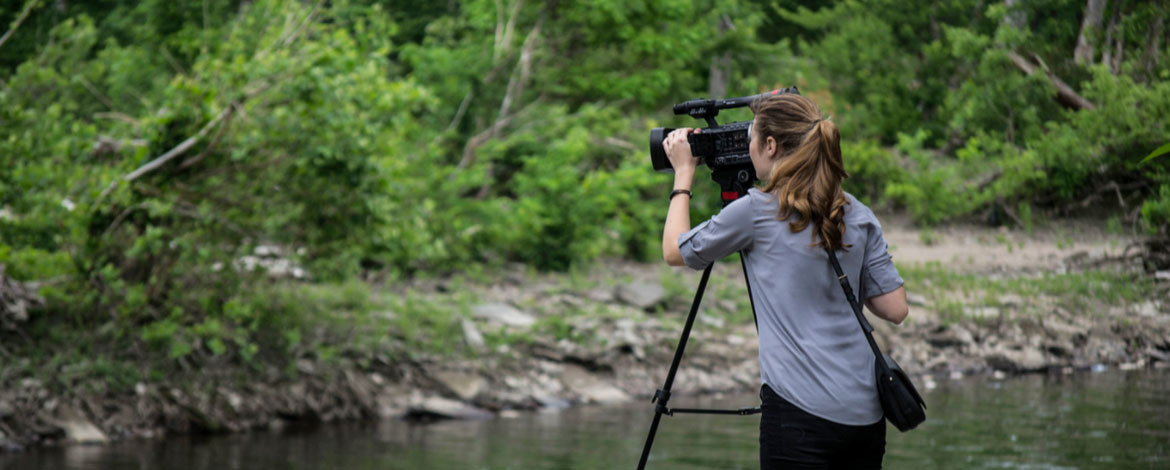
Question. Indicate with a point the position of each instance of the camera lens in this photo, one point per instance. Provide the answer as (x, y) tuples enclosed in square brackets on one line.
[(657, 152)]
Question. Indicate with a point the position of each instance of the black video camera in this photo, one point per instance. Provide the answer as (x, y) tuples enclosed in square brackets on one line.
[(716, 146)]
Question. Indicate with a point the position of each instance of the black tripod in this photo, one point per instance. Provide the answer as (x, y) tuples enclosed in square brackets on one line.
[(734, 183)]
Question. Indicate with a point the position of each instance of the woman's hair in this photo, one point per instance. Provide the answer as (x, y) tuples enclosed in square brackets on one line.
[(807, 170)]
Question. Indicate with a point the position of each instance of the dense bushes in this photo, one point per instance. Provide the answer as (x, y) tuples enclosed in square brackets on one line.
[(350, 137)]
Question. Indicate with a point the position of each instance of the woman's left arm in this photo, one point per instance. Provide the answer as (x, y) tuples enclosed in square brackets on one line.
[(678, 217)]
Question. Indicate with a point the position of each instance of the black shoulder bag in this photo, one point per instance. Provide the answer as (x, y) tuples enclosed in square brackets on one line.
[(900, 401)]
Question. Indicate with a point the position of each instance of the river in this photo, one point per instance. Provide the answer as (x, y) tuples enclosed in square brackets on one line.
[(1105, 420)]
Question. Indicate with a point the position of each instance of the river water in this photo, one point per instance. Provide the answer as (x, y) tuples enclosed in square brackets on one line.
[(1105, 420)]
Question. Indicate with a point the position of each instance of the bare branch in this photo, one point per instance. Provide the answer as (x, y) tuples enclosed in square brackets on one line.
[(1064, 93), (499, 30), (620, 144), (480, 139), (487, 134), (96, 94), (210, 146), (118, 117), (187, 144), (463, 105), (509, 30), (28, 8), (178, 149), (524, 67), (515, 88)]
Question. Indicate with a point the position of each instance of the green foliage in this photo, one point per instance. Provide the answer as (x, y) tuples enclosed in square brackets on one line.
[(419, 138), (971, 127), (1156, 212), (1158, 152)]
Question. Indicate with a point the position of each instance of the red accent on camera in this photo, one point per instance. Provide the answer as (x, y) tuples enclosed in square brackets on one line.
[(730, 195)]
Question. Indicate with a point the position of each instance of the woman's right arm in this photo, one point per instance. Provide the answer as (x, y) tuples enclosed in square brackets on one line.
[(879, 275), (890, 306)]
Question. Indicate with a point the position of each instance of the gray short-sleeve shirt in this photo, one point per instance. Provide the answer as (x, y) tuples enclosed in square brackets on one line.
[(812, 351)]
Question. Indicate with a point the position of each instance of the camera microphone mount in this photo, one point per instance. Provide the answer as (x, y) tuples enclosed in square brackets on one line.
[(707, 109)]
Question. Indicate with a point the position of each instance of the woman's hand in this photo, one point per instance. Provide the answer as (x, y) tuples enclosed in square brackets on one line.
[(678, 150)]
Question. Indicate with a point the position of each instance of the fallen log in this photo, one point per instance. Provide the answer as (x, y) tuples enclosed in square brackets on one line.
[(1064, 93)]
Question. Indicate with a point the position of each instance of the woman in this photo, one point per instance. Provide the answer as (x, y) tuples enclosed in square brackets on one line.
[(820, 405)]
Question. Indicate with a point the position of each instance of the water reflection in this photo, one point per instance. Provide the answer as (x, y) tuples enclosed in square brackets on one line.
[(1083, 421)]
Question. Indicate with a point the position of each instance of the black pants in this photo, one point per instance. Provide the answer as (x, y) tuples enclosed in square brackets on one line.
[(791, 438)]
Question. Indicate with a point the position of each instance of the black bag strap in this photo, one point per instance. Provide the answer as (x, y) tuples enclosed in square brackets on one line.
[(865, 326)]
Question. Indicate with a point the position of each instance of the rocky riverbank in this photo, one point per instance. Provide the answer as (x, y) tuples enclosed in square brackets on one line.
[(531, 342)]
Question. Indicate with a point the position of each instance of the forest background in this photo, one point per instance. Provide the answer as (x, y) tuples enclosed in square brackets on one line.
[(193, 183)]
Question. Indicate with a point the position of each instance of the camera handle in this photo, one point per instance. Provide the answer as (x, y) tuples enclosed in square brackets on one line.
[(734, 183)]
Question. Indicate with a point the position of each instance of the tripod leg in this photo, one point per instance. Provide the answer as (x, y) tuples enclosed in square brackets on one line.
[(663, 394), (748, 282)]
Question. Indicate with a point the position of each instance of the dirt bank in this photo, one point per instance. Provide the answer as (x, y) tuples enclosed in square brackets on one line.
[(1061, 300)]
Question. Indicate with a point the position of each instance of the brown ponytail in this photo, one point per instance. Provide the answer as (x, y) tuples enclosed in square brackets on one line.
[(807, 171)]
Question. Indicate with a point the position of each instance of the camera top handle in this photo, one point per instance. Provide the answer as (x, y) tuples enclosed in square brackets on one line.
[(707, 109)]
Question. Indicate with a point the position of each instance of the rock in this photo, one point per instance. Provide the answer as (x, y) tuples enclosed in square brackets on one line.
[(6, 409), (643, 295), (276, 425), (1058, 349), (604, 296), (1153, 353), (1025, 360), (16, 298), (464, 386), (591, 388), (390, 405), (916, 300), (716, 322), (1061, 328), (1011, 300), (472, 336), (1076, 258), (77, 428), (1162, 275), (9, 446), (234, 399), (439, 407), (306, 367), (1147, 309), (981, 312), (964, 335), (950, 337), (504, 314)]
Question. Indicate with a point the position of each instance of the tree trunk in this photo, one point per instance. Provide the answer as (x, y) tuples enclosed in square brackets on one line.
[(1153, 42), (1015, 18), (720, 66), (1094, 14), (1114, 39)]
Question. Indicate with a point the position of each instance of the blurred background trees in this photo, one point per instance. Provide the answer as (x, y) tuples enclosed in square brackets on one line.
[(160, 160)]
